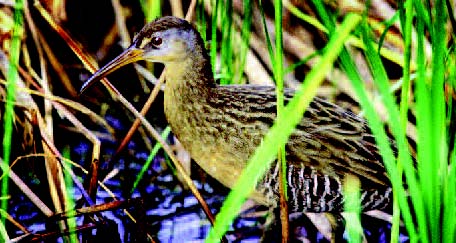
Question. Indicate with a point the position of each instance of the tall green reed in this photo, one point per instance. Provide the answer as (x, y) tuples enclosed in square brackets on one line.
[(70, 201), (8, 118), (151, 9)]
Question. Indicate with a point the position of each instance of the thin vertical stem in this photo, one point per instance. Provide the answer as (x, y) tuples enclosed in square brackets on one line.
[(278, 76), (10, 98)]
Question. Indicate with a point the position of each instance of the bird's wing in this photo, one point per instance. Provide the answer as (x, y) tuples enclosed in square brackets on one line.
[(329, 138), (336, 142)]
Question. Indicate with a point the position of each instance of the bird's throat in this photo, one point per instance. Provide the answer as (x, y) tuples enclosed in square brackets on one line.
[(188, 87)]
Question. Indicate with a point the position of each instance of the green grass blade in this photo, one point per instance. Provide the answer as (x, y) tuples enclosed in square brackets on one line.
[(266, 33), (449, 191), (149, 160), (323, 14), (388, 24), (278, 77), (352, 208), (3, 232), (151, 9), (72, 225), (278, 56), (449, 209), (406, 24), (279, 132), (422, 12), (307, 18), (214, 21), (424, 121), (201, 22), (8, 118), (439, 163), (245, 40), (226, 44), (303, 61), (407, 33)]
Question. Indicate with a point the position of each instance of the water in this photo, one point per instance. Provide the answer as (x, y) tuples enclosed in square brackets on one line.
[(163, 209)]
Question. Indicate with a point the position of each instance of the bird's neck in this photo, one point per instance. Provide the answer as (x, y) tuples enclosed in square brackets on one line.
[(191, 76), (189, 86)]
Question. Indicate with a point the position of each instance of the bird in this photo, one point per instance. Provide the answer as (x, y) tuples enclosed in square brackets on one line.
[(222, 125)]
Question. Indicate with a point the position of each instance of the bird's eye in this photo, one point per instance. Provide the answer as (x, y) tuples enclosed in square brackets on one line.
[(156, 41)]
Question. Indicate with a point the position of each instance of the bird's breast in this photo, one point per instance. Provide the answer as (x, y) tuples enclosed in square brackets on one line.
[(218, 142)]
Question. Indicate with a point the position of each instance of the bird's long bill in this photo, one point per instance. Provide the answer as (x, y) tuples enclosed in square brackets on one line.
[(132, 54)]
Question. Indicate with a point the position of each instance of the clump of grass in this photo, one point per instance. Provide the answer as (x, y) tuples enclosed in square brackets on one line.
[(232, 54), (428, 184)]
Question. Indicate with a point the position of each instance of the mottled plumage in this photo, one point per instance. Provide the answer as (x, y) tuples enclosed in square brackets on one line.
[(221, 126)]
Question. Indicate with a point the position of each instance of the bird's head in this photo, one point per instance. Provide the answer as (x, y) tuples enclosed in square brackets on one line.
[(165, 40)]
